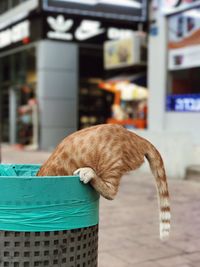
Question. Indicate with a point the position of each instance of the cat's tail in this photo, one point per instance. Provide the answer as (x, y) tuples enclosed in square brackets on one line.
[(158, 170)]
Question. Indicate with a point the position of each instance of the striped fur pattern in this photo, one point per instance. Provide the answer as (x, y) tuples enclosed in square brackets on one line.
[(101, 155)]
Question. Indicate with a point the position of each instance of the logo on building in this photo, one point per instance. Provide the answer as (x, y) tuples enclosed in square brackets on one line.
[(15, 34), (88, 29), (60, 28), (68, 29), (63, 29)]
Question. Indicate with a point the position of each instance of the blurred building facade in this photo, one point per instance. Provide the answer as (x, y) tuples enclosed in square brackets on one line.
[(174, 110), (52, 62)]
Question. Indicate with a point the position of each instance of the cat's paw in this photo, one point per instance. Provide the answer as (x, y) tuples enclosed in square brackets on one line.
[(85, 174)]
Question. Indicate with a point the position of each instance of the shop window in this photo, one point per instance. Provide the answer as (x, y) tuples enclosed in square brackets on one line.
[(115, 96), (25, 81), (184, 91), (185, 81), (94, 104), (129, 106), (18, 77)]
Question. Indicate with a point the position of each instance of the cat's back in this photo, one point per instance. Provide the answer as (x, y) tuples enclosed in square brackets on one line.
[(96, 141), (99, 134)]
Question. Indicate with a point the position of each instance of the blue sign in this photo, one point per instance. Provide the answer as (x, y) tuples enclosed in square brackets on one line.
[(183, 103)]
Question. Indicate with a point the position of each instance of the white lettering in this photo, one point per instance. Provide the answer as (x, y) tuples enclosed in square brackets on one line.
[(179, 105), (14, 34), (187, 104), (115, 33), (60, 36), (5, 38)]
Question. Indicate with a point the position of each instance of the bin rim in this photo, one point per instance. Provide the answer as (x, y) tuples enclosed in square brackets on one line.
[(45, 203)]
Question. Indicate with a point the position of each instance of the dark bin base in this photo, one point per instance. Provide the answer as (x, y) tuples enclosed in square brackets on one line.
[(69, 248)]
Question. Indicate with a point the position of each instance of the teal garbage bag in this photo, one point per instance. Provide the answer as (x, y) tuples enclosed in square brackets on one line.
[(31, 203), (7, 170)]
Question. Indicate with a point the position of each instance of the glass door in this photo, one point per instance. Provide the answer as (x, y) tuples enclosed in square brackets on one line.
[(19, 104)]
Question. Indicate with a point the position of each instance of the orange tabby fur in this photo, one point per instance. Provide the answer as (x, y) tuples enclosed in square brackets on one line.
[(101, 155)]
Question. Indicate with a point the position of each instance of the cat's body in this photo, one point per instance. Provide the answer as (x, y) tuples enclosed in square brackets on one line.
[(101, 155)]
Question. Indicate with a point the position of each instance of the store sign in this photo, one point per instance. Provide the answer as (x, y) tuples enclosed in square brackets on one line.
[(123, 52), (127, 10), (183, 103), (118, 54), (14, 34), (68, 29)]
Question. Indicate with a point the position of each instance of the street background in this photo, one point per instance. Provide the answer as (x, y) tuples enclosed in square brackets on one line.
[(129, 229), (67, 65)]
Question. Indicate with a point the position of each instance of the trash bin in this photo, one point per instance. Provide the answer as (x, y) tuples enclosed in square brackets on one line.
[(46, 221)]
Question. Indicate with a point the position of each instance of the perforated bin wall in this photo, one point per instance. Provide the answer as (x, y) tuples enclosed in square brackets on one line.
[(68, 248), (46, 221)]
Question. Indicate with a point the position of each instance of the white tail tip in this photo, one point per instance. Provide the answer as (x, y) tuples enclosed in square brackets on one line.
[(164, 230), (165, 218)]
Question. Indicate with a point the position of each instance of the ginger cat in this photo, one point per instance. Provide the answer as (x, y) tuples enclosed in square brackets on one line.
[(101, 155)]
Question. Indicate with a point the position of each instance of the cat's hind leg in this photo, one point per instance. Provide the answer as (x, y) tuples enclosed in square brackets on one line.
[(107, 189)]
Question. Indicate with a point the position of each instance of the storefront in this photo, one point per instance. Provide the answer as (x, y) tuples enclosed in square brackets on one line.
[(184, 61), (51, 60), (18, 92), (174, 110)]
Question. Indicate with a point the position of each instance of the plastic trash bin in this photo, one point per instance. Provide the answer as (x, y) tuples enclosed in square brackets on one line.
[(46, 221)]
